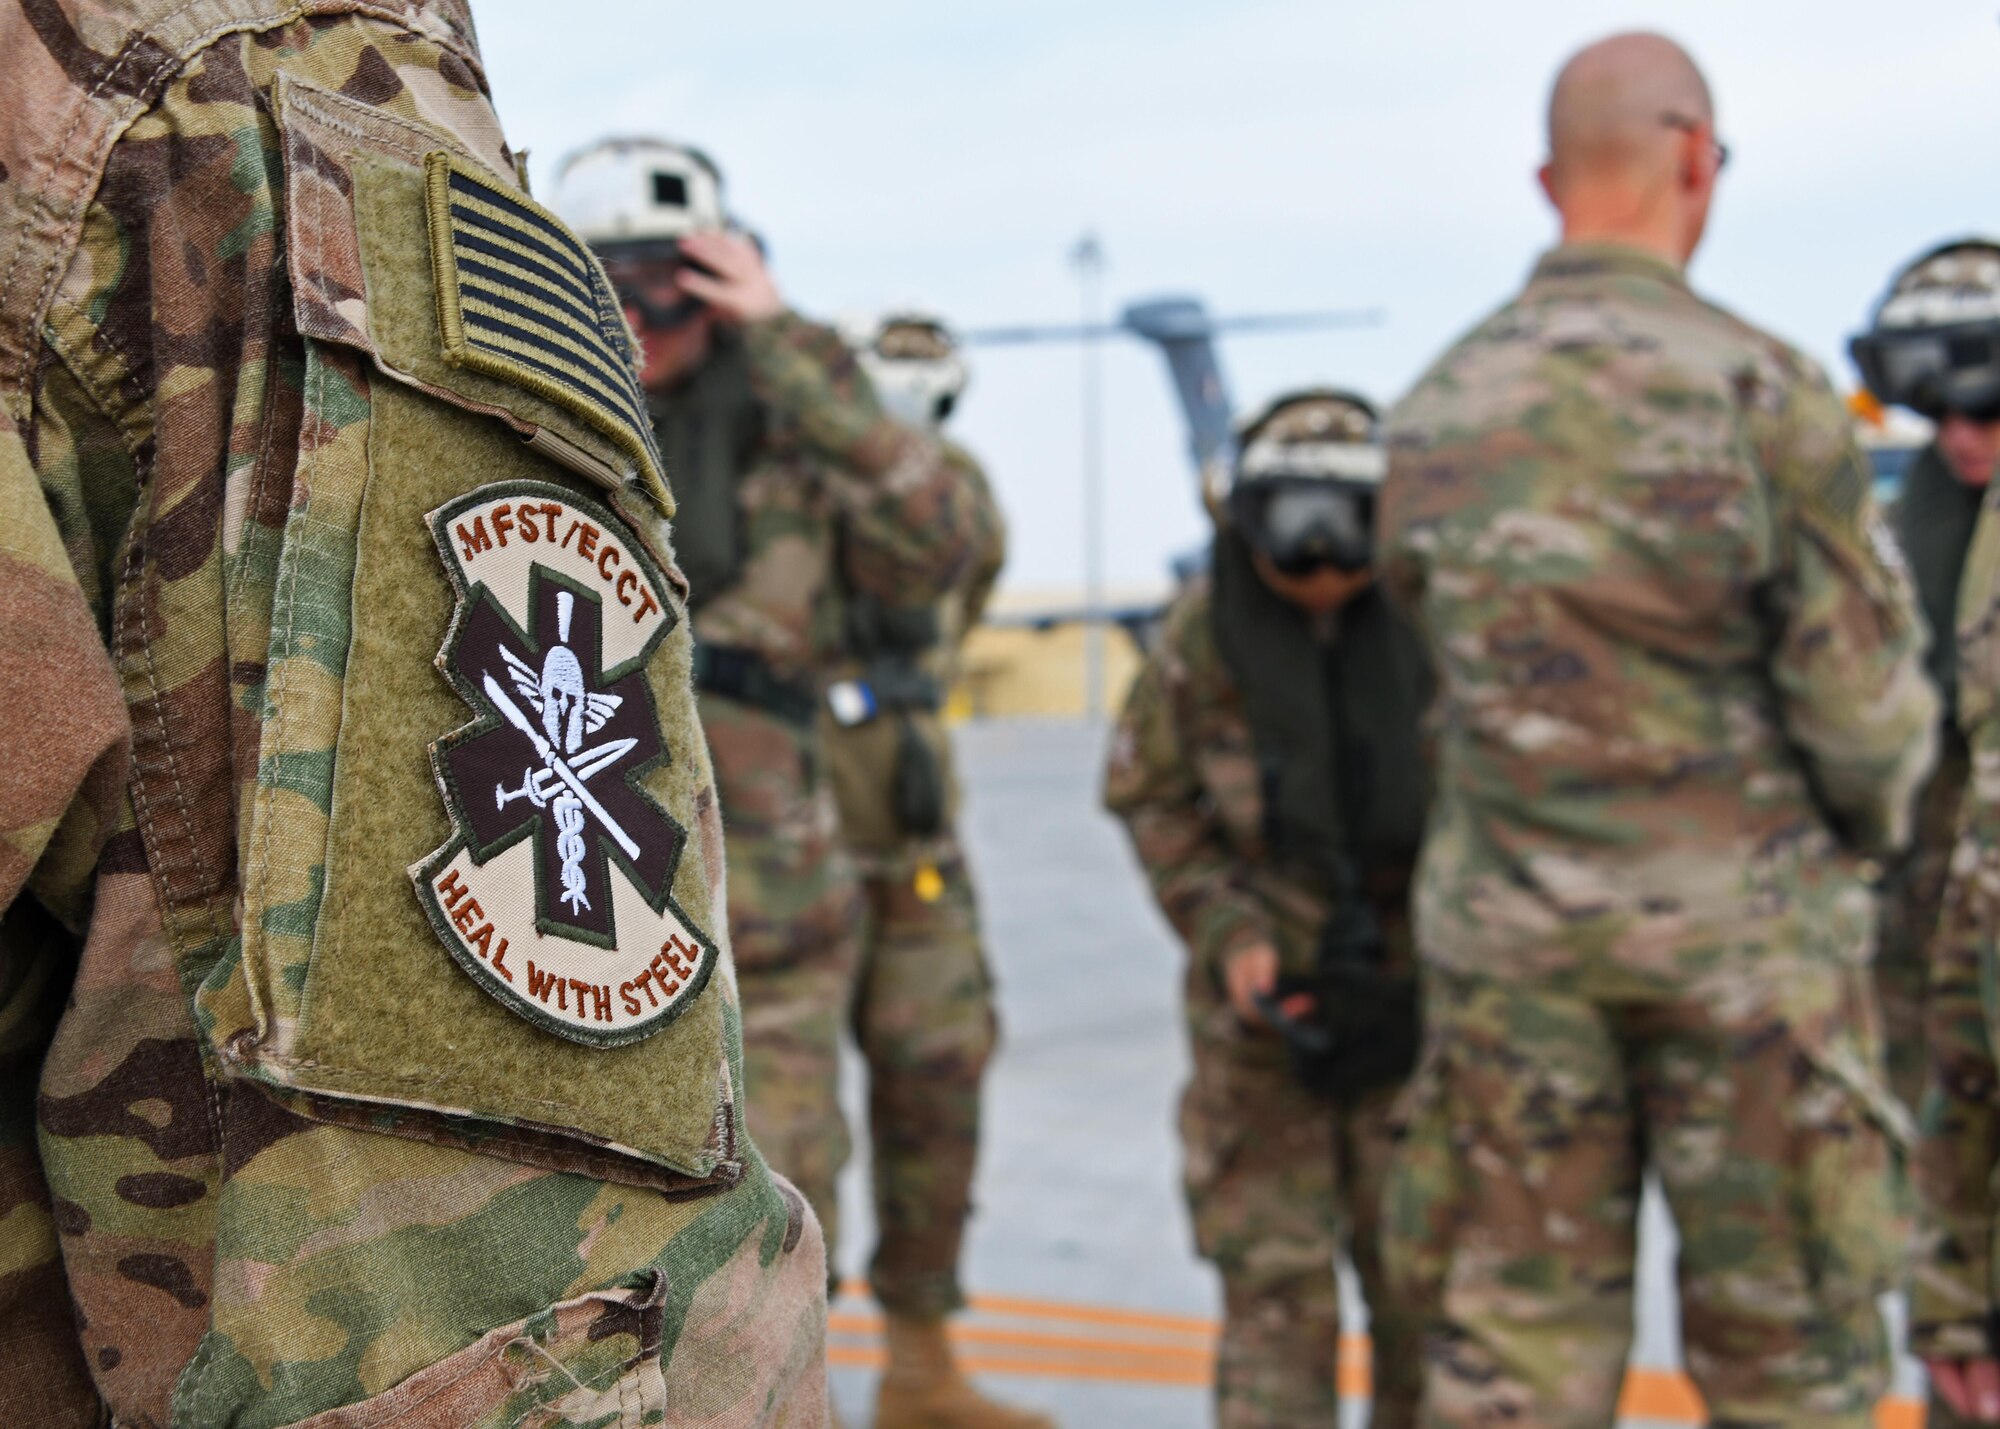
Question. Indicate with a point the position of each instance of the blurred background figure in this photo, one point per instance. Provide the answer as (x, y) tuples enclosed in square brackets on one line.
[(1268, 769), (1682, 706), (1933, 347), (795, 492), (923, 1012)]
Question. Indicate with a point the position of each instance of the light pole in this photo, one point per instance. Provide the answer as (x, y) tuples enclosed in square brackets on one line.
[(1087, 258)]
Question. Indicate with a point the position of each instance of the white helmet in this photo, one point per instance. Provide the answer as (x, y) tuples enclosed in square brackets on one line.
[(1316, 431), (635, 190), (913, 361), (1307, 472)]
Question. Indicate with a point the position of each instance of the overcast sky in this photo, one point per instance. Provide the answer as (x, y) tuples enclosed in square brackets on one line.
[(1263, 154)]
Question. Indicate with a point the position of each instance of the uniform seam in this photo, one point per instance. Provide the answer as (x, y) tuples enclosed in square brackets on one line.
[(142, 800), (308, 467), (45, 289), (260, 480), (308, 100), (92, 390)]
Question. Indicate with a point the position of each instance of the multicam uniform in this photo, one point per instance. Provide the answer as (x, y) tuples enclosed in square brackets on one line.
[(923, 1002), (311, 1149), (822, 484), (1955, 1307), (1272, 1170), (1681, 697), (1934, 518)]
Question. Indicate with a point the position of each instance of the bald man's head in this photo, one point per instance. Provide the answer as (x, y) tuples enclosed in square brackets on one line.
[(1607, 113), (1630, 118)]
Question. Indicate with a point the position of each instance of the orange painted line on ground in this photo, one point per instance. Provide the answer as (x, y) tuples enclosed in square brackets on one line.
[(1015, 1305), (871, 1325), (1666, 1396), (846, 1357), (1096, 1315)]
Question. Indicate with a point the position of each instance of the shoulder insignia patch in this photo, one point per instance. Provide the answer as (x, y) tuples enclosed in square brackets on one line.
[(554, 891), (521, 297)]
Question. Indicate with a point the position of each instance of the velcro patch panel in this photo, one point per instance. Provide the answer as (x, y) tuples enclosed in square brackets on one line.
[(523, 298)]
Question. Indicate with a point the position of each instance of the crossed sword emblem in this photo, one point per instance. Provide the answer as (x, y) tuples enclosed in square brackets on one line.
[(538, 785)]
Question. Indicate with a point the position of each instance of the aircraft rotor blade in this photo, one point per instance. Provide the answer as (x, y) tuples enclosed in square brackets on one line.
[(1011, 336), (1279, 322), (1245, 323)]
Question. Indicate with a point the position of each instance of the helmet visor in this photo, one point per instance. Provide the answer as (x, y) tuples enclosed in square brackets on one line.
[(642, 272), (1934, 371), (1302, 523)]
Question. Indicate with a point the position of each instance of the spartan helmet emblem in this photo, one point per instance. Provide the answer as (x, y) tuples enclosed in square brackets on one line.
[(568, 710), (562, 691)]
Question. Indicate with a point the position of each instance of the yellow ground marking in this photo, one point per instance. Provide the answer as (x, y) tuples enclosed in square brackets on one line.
[(1179, 1351)]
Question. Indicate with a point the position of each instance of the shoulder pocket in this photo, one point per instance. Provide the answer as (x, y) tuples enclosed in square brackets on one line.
[(592, 1360), (405, 247), (481, 860)]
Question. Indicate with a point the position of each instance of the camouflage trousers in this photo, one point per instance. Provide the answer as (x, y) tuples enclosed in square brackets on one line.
[(923, 1016), (794, 906), (1274, 1175), (1512, 1206), (1912, 897)]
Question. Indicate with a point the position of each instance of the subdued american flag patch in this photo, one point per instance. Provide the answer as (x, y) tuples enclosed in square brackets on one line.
[(521, 297)]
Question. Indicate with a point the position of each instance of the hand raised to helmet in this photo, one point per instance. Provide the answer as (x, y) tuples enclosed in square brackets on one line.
[(738, 287)]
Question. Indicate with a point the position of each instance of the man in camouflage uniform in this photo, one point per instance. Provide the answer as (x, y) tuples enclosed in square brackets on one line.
[(1953, 290), (327, 514), (923, 1001), (791, 482), (1681, 706), (1931, 348), (1268, 769)]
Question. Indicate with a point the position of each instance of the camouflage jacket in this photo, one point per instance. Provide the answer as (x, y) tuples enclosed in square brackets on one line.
[(835, 489), (1681, 689), (1184, 775), (1955, 1299), (861, 759), (332, 1093)]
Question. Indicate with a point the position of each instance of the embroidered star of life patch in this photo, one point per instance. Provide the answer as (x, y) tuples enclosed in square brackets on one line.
[(554, 891)]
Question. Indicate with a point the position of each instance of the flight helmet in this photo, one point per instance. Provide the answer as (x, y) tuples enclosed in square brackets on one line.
[(1303, 488), (1934, 343)]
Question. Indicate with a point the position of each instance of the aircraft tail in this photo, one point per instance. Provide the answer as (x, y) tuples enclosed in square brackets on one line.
[(1182, 330)]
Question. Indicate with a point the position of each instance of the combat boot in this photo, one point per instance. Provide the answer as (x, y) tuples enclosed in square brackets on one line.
[(923, 1388)]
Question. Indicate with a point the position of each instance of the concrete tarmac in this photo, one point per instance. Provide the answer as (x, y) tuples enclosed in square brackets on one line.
[(1089, 1301)]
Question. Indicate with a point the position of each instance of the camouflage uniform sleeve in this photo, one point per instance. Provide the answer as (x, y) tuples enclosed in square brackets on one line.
[(65, 751), (1397, 568), (1151, 783), (67, 733), (1951, 1299), (1952, 1309), (172, 348), (908, 517), (1848, 658)]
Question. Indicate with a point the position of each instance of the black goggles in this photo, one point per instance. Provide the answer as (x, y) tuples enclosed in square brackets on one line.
[(1302, 523), (1934, 371), (628, 265)]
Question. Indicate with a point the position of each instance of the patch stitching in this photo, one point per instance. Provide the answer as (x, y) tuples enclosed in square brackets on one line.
[(492, 254), (580, 691)]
